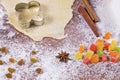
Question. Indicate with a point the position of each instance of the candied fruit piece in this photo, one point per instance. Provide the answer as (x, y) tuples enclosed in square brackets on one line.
[(11, 70), (114, 53), (95, 58), (113, 59), (89, 54), (33, 52), (1, 62), (114, 43), (20, 62), (11, 60), (107, 35), (38, 70), (33, 60), (104, 58), (117, 49), (111, 47), (118, 57), (100, 44), (4, 50), (86, 61), (93, 47), (106, 46), (9, 75), (81, 48), (78, 55), (100, 53)]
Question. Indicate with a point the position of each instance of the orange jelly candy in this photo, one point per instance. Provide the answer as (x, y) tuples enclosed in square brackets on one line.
[(118, 57), (114, 53), (100, 44), (107, 35), (95, 58), (81, 48)]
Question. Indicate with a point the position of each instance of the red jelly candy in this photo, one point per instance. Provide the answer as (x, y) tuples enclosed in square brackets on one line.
[(104, 58), (86, 61), (93, 47), (113, 59), (106, 45)]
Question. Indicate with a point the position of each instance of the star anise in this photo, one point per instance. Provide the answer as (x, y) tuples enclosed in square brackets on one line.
[(63, 56)]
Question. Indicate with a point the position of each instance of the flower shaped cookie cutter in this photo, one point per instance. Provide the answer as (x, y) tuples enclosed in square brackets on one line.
[(29, 14)]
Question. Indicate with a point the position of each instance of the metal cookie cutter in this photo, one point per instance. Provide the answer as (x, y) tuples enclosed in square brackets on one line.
[(28, 14)]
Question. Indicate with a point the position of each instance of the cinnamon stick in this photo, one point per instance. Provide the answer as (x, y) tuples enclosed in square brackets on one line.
[(90, 11), (88, 20)]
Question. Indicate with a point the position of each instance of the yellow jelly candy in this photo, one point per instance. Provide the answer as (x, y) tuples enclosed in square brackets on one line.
[(100, 44), (81, 48), (112, 45), (94, 58), (89, 54), (78, 55)]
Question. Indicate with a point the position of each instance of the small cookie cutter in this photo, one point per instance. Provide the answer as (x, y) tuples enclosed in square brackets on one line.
[(26, 20)]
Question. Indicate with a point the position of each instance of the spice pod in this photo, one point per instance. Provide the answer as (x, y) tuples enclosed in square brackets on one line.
[(21, 6)]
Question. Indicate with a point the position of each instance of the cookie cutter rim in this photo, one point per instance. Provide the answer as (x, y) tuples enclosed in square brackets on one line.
[(21, 6)]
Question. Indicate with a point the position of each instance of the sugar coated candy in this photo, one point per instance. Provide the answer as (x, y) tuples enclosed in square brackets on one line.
[(117, 49), (107, 35), (114, 53), (111, 47), (100, 53), (86, 61), (118, 57), (114, 42), (81, 48), (78, 55), (93, 47), (104, 58), (100, 44), (95, 58), (89, 54), (113, 59), (106, 45)]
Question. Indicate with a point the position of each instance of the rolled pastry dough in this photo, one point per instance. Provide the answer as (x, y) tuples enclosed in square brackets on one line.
[(57, 14)]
